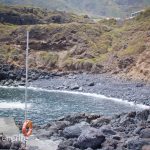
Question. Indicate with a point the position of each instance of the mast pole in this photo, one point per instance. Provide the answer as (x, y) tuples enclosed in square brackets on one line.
[(26, 88), (26, 84)]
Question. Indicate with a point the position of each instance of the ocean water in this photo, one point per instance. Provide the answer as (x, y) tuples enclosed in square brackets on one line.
[(45, 105)]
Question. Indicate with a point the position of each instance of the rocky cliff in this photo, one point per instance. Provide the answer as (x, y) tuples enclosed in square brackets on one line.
[(31, 16), (117, 47)]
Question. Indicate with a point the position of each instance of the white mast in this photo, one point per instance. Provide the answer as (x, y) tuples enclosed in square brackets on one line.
[(26, 88)]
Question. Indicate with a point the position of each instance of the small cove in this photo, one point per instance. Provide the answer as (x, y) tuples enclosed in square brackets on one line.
[(47, 105)]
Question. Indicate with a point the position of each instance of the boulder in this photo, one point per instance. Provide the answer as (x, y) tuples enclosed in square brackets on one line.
[(148, 120), (92, 117), (126, 121), (145, 133), (4, 143), (58, 125), (57, 19), (143, 115), (100, 121), (75, 130), (124, 63), (116, 137), (66, 148), (74, 86), (87, 66), (107, 130), (43, 134), (119, 129), (98, 68), (91, 84), (21, 84), (136, 143), (81, 89), (15, 145), (131, 114), (12, 76), (110, 144), (140, 84), (66, 145), (138, 130), (76, 118), (3, 75), (90, 138)]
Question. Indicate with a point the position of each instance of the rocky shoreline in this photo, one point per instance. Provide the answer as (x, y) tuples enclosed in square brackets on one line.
[(94, 132), (6, 143), (126, 131), (105, 84)]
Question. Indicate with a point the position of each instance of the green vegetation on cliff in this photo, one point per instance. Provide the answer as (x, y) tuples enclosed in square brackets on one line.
[(106, 46)]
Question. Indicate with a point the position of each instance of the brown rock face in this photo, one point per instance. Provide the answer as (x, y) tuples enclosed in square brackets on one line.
[(141, 70), (125, 63)]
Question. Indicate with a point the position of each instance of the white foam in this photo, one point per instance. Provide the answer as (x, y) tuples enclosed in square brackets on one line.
[(12, 105), (126, 102)]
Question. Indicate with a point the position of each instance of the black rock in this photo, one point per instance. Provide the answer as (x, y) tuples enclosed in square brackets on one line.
[(43, 134), (100, 121), (111, 144), (66, 145), (15, 145), (4, 75), (90, 138), (74, 86), (47, 77), (143, 115), (138, 130), (136, 143), (91, 84), (131, 114), (22, 84), (140, 85), (145, 133), (126, 121), (116, 137), (58, 125), (12, 76), (107, 130), (76, 118), (4, 144), (75, 130)]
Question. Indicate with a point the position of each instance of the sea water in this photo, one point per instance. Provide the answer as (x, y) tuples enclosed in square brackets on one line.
[(47, 105)]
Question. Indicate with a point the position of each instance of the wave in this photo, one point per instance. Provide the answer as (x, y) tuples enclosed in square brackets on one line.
[(13, 105), (126, 102)]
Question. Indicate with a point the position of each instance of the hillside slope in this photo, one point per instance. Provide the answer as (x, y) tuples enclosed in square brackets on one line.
[(115, 8), (93, 47), (28, 16)]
